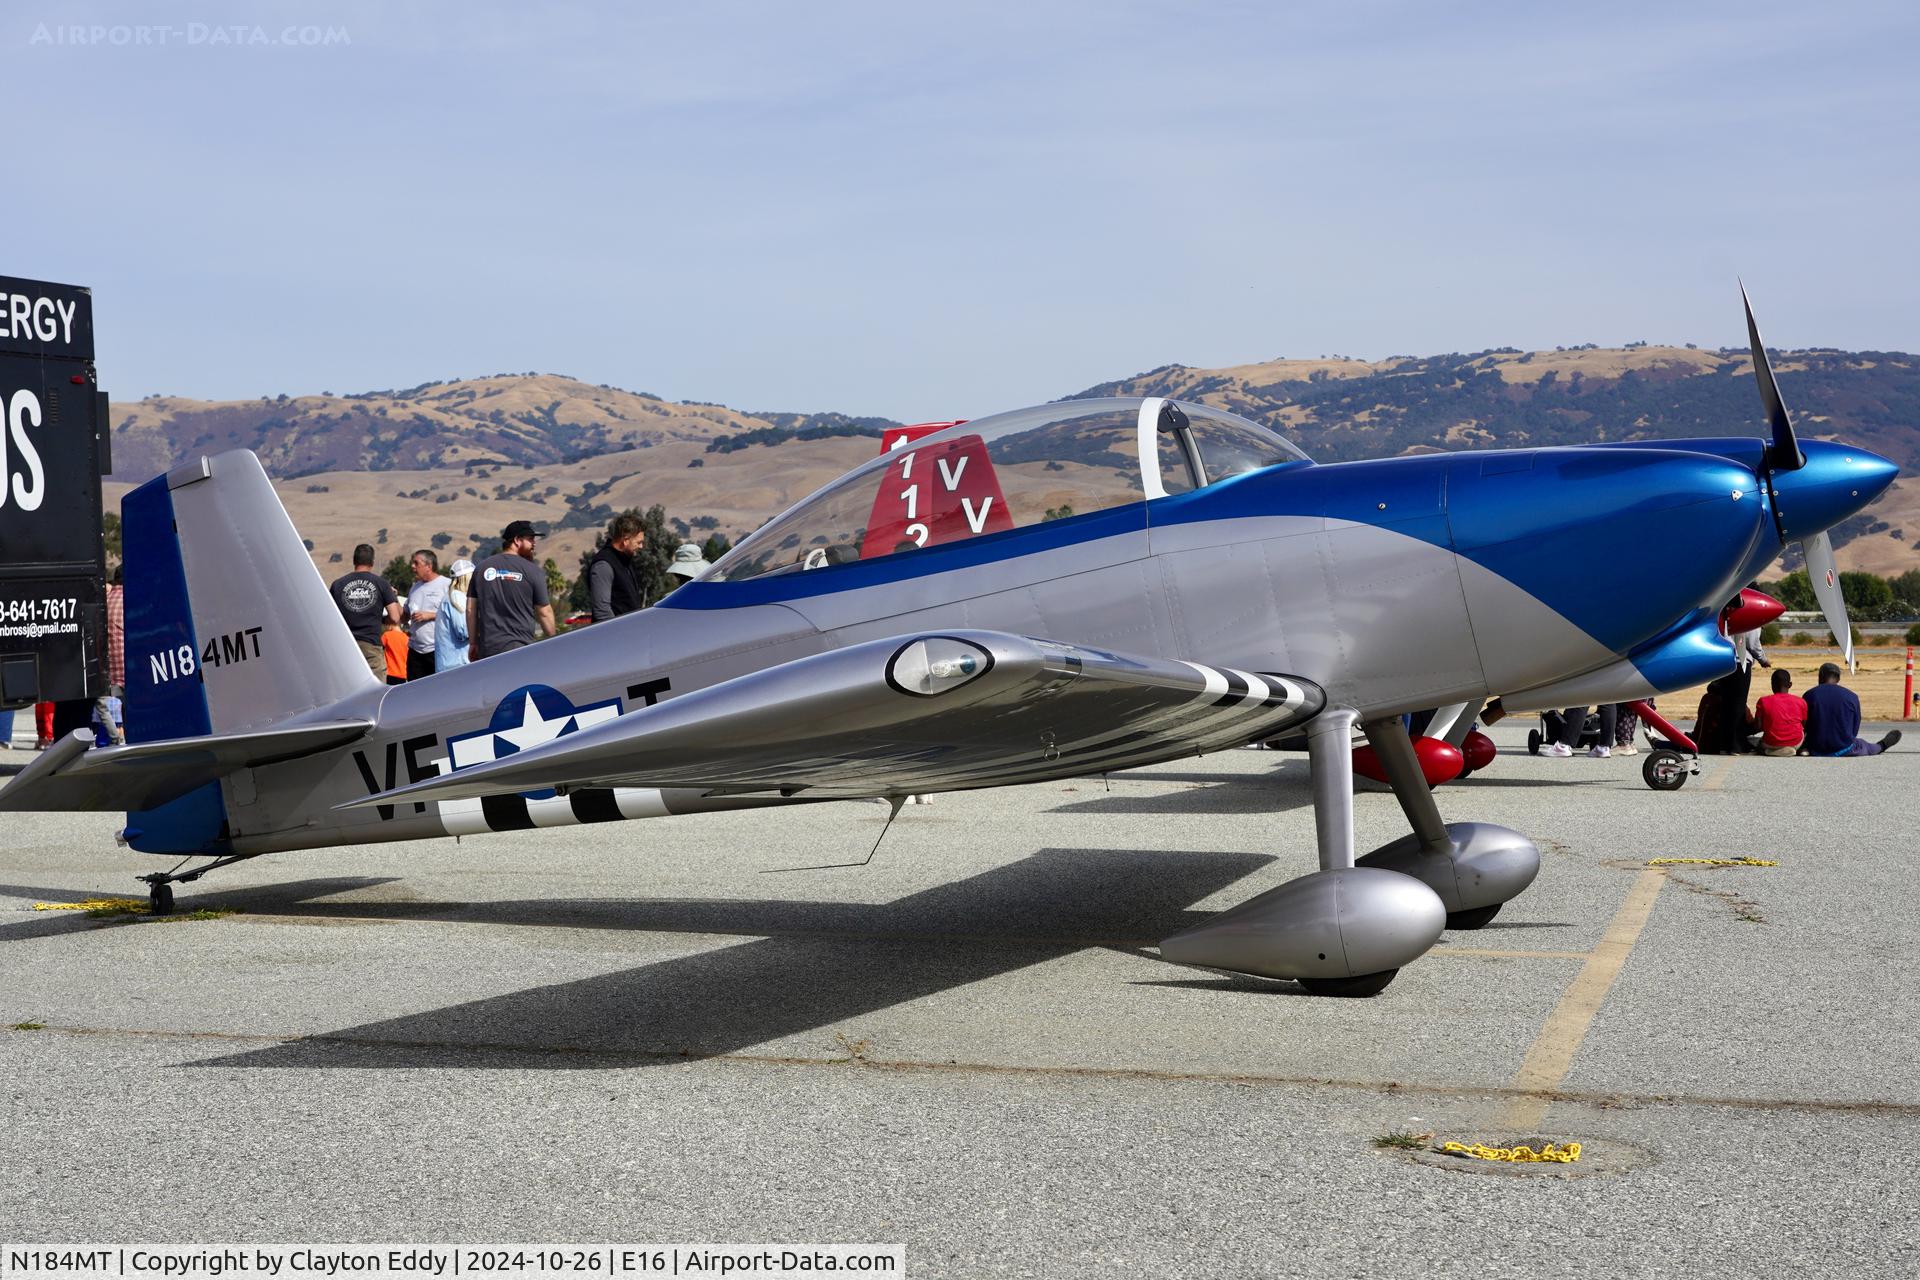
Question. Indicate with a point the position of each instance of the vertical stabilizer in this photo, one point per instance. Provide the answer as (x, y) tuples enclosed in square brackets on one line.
[(229, 626)]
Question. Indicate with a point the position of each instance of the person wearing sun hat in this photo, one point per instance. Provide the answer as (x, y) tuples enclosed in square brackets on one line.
[(450, 638), (687, 562)]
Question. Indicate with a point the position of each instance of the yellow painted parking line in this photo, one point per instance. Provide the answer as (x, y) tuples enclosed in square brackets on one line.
[(1548, 1061), (1718, 778)]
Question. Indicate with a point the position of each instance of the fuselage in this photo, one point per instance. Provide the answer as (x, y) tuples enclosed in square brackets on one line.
[(1393, 584)]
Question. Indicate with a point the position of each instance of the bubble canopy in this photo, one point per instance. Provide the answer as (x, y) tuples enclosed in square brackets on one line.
[(1009, 471)]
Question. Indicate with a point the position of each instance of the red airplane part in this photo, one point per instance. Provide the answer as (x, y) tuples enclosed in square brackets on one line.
[(1749, 611), (1659, 722), (898, 437), (1439, 761), (1478, 750), (935, 493)]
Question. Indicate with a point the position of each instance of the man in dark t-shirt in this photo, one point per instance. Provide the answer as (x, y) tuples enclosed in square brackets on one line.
[(1833, 719), (366, 600), (509, 596)]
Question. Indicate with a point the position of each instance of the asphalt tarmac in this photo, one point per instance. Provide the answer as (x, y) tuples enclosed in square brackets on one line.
[(671, 1031)]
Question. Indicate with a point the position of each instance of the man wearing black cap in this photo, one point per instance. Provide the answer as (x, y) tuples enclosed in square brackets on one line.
[(509, 596), (1833, 719)]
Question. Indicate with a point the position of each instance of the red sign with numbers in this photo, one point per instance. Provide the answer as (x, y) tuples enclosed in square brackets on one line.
[(894, 437), (934, 493)]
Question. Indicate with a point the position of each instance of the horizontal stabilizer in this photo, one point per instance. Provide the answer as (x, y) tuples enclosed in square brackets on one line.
[(915, 713), (74, 775)]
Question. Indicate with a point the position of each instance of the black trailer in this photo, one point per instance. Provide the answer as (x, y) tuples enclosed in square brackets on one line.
[(53, 452)]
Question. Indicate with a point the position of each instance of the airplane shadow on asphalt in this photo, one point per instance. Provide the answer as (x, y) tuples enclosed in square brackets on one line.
[(1217, 795), (827, 963), (261, 900)]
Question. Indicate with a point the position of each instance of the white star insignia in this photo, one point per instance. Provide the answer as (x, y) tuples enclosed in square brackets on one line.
[(533, 728)]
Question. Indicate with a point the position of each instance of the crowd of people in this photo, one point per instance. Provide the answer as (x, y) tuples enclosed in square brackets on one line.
[(446, 620), (475, 611), (1824, 722)]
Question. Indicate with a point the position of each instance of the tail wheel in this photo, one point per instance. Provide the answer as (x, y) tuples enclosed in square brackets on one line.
[(1533, 742), (1665, 771), (1366, 984)]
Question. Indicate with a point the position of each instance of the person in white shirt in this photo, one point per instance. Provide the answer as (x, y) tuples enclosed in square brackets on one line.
[(423, 612), (1746, 652)]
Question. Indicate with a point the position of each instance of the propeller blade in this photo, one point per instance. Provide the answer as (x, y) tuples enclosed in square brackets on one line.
[(1826, 589), (1785, 454)]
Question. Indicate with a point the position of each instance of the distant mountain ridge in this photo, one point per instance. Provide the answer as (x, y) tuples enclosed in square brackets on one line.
[(512, 419), (1348, 409), (575, 451)]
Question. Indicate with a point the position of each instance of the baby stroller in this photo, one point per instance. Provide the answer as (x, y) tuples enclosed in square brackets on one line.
[(1552, 724)]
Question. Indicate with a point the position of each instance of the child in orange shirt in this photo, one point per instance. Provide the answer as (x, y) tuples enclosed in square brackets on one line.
[(394, 641)]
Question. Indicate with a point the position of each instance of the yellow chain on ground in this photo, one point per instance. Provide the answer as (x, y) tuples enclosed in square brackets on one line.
[(1711, 862), (1547, 1154), (132, 906)]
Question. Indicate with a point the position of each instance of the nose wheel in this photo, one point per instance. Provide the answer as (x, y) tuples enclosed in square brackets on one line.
[(160, 898), (1668, 770)]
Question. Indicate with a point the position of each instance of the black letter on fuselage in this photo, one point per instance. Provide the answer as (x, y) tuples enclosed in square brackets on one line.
[(373, 788), (417, 770), (649, 690)]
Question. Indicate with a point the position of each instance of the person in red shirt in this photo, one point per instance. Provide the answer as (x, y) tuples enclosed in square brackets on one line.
[(1781, 718)]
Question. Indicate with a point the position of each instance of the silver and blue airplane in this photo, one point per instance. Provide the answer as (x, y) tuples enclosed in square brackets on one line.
[(1054, 592)]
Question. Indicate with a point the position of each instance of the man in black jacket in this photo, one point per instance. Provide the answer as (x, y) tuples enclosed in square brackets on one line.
[(612, 586)]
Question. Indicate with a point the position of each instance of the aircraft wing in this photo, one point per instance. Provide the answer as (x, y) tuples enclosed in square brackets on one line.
[(926, 712)]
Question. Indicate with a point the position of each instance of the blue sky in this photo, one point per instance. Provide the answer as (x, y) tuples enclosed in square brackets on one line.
[(941, 211)]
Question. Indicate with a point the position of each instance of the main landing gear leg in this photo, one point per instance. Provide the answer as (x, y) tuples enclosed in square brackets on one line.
[(1475, 867), (1340, 931)]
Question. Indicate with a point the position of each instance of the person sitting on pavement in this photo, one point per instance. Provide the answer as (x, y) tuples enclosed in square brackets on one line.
[(1833, 719), (1781, 718), (1717, 725)]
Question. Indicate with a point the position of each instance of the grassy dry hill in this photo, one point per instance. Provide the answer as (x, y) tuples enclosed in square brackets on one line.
[(448, 464)]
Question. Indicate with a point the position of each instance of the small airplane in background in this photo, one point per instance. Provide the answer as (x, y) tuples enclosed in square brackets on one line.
[(1049, 593)]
